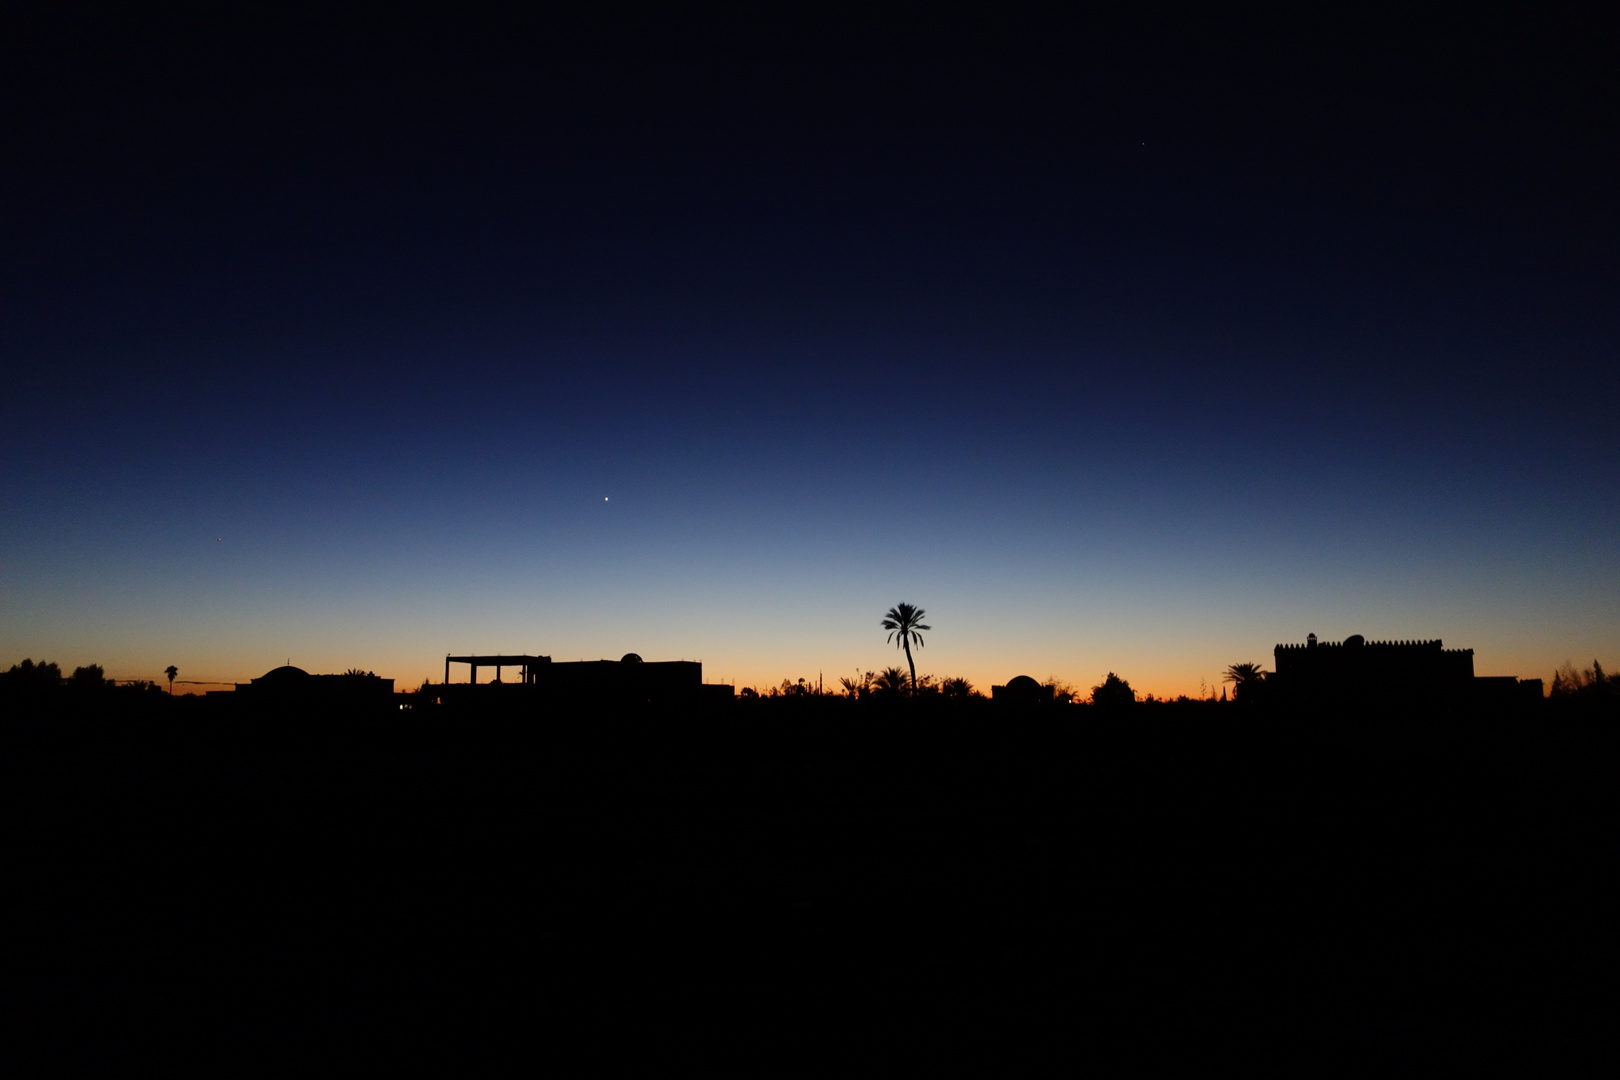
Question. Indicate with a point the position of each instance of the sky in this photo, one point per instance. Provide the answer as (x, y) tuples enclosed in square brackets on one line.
[(1135, 344)]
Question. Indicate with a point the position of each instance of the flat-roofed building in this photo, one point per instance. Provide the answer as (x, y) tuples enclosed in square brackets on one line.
[(292, 689), (538, 681)]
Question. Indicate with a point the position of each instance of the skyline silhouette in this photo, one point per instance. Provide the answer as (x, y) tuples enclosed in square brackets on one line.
[(1312, 677), (1125, 342)]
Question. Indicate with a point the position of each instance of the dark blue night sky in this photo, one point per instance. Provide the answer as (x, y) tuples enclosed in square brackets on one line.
[(1133, 346)]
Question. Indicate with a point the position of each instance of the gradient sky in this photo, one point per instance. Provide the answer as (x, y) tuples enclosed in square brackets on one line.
[(1117, 346)]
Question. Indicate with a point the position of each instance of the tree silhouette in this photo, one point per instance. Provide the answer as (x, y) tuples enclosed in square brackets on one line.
[(1112, 693), (1242, 676), (1593, 686), (171, 671), (890, 682), (905, 620), (1062, 691), (31, 682), (860, 687)]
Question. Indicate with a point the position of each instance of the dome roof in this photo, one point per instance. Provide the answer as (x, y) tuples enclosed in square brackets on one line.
[(629, 658), (283, 674), (1023, 684)]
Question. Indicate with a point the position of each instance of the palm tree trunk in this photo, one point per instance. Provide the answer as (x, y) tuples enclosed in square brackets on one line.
[(907, 642)]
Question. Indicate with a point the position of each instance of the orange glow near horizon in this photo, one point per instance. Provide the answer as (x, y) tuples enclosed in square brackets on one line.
[(1161, 677)]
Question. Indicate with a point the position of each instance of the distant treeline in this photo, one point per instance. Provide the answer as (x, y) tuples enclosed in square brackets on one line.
[(43, 686), (1592, 685), (40, 688), (892, 683), (1572, 687)]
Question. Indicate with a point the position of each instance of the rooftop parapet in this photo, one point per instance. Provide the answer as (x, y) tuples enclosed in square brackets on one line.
[(1356, 642)]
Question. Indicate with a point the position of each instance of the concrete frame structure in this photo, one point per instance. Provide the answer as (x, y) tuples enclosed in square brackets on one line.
[(528, 665), (542, 683)]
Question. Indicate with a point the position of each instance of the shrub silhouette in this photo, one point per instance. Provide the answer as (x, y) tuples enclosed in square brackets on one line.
[(1590, 690), (88, 677), (890, 682), (1246, 680), (859, 687), (1112, 693)]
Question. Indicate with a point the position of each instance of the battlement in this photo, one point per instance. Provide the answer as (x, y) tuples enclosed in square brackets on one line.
[(1355, 641), (1402, 668), (1400, 672)]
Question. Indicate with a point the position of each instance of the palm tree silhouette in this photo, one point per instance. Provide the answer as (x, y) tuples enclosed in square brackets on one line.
[(171, 671), (905, 621), (890, 682), (1242, 675)]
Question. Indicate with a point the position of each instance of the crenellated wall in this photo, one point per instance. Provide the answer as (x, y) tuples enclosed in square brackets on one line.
[(1406, 670)]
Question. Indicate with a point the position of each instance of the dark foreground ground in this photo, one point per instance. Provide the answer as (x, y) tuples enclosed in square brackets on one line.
[(1007, 899)]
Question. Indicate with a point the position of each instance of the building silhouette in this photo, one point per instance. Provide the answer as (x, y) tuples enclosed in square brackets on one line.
[(1022, 691), (292, 688), (539, 683), (1361, 673)]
